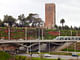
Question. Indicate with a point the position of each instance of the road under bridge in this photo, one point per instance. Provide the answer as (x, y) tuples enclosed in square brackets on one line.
[(48, 45)]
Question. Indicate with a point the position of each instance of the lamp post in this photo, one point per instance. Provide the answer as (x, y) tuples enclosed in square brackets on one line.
[(71, 31), (42, 32), (39, 38), (25, 33), (9, 33), (49, 47)]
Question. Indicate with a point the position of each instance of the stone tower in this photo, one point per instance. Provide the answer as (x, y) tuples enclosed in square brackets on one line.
[(50, 15)]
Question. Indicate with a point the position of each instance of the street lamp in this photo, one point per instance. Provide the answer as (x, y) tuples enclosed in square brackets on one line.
[(49, 47), (39, 38), (9, 33), (25, 33), (42, 33)]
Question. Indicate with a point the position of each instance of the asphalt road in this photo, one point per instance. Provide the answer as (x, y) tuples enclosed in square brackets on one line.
[(52, 56)]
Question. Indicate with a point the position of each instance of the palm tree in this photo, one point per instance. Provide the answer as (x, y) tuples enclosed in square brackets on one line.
[(22, 19), (62, 22)]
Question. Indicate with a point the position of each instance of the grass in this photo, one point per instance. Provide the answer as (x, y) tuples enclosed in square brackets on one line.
[(42, 59), (53, 53), (61, 53), (21, 58), (72, 50), (33, 58), (4, 56)]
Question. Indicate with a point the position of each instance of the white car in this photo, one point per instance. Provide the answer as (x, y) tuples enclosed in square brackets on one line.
[(21, 39), (47, 55)]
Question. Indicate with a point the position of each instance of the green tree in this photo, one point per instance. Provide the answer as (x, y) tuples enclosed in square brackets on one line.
[(9, 19), (22, 19), (62, 21), (76, 28), (66, 27), (1, 23), (71, 27), (56, 26), (34, 20), (59, 27)]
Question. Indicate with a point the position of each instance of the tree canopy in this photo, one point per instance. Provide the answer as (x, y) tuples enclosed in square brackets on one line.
[(9, 20), (62, 21), (32, 20)]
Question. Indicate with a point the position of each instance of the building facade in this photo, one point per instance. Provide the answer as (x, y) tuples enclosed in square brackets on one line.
[(50, 15)]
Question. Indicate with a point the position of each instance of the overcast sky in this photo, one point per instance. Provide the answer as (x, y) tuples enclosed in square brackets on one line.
[(67, 9)]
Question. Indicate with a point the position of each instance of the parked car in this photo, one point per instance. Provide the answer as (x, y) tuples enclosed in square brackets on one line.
[(75, 55)]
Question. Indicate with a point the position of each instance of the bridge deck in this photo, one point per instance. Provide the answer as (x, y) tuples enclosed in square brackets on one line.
[(35, 41)]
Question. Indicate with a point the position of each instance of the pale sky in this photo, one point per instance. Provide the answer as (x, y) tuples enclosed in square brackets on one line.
[(66, 9)]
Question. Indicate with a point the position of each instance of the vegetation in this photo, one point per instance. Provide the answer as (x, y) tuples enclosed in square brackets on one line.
[(4, 56), (9, 20), (61, 53), (18, 33), (33, 33), (62, 22), (53, 53), (71, 50), (75, 47), (42, 59), (58, 53), (33, 20), (20, 58), (32, 58)]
